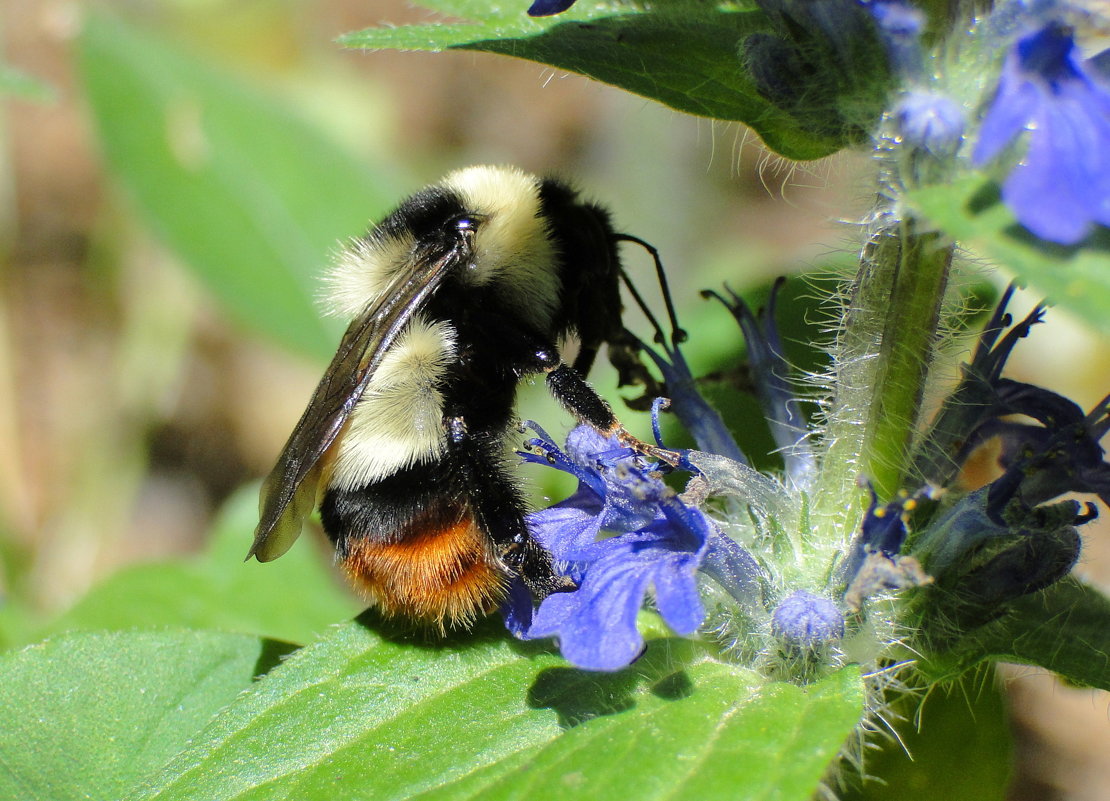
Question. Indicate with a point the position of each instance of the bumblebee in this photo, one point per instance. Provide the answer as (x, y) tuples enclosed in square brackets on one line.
[(464, 289)]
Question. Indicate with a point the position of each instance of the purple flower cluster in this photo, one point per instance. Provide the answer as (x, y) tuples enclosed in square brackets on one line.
[(1012, 536), (622, 535), (625, 537)]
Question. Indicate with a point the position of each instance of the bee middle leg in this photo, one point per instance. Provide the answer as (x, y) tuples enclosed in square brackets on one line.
[(500, 508)]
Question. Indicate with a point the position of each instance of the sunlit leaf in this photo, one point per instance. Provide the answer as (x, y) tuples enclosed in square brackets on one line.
[(361, 715), (87, 715)]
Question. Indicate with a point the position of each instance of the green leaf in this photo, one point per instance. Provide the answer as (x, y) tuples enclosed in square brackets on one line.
[(709, 733), (968, 717), (687, 56), (251, 197), (362, 715), (290, 599), (970, 212), (87, 715), (1065, 628), (17, 623)]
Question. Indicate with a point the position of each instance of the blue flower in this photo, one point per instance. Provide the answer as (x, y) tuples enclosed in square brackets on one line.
[(622, 535), (930, 121), (596, 624), (875, 562), (772, 376), (804, 620), (699, 418), (547, 8), (1060, 453), (1062, 185), (1007, 539), (900, 26), (1045, 461), (604, 500), (1011, 537)]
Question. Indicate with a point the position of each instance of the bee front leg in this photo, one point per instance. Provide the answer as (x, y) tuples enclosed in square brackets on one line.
[(582, 400), (576, 395)]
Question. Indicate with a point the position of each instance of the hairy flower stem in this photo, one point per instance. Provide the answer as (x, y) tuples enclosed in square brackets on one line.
[(838, 501), (881, 356), (921, 263)]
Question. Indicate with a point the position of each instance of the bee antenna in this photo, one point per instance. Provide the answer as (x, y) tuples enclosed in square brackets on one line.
[(677, 334)]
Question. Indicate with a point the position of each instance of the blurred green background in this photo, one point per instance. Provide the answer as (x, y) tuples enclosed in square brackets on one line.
[(173, 178)]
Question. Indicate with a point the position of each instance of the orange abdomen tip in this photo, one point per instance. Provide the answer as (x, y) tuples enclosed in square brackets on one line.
[(442, 575)]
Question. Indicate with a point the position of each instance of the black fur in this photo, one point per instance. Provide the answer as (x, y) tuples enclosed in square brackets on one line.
[(496, 346)]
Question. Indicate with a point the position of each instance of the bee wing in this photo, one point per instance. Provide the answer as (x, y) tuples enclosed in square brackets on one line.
[(289, 491)]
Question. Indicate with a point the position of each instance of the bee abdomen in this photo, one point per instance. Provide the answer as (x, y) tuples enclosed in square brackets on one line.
[(436, 568)]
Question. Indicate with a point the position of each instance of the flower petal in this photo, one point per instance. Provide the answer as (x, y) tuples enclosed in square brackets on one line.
[(1062, 185)]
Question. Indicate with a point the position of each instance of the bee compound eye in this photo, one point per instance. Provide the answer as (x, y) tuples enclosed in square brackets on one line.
[(469, 223)]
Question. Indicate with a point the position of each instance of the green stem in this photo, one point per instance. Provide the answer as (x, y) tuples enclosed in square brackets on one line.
[(921, 264), (881, 360)]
